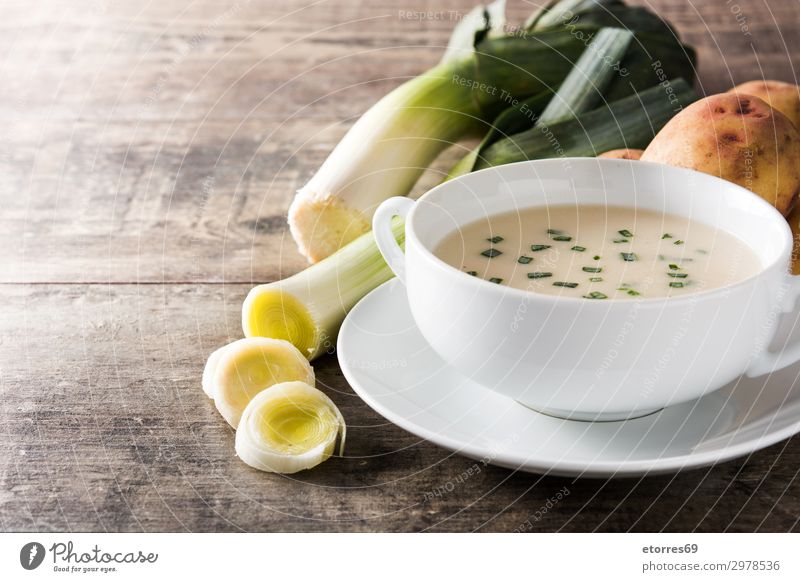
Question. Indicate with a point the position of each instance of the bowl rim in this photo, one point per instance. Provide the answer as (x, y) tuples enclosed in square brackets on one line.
[(778, 262)]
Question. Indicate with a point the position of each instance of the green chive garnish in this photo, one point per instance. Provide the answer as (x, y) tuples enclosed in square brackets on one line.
[(632, 292), (621, 240), (597, 257), (593, 269), (674, 267), (561, 238), (625, 232), (666, 235), (473, 273), (495, 239), (497, 280), (678, 242), (678, 275), (577, 248), (524, 260), (554, 231), (629, 257), (596, 295), (565, 284), (702, 251), (491, 253), (539, 275), (676, 284), (536, 248), (595, 279)]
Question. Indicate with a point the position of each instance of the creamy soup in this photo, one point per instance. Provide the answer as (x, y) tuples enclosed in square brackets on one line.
[(599, 252)]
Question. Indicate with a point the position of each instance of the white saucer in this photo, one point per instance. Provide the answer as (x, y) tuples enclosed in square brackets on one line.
[(392, 368)]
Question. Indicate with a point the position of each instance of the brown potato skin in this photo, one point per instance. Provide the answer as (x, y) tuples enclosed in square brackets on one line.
[(738, 138), (785, 97), (794, 223), (622, 154)]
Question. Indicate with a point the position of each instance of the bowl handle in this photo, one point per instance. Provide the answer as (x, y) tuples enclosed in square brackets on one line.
[(768, 362), (382, 228)]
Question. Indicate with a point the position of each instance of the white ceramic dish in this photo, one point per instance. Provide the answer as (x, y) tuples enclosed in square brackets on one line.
[(594, 359), (392, 368)]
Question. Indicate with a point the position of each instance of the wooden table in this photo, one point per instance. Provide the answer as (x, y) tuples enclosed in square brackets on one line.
[(149, 151)]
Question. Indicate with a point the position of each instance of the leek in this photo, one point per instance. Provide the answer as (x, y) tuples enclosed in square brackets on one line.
[(289, 428), (580, 91), (248, 366), (626, 123), (387, 150), (307, 309)]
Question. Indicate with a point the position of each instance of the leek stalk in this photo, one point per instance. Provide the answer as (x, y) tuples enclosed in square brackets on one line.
[(387, 150), (581, 90), (626, 123), (307, 308)]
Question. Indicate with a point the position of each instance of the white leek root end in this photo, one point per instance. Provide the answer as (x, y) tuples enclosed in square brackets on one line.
[(248, 366), (321, 226), (289, 428)]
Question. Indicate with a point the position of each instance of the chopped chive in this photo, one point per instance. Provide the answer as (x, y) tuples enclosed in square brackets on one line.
[(539, 275), (621, 240), (491, 253), (632, 292), (678, 242), (578, 248), (596, 295), (592, 269), (473, 273), (681, 259), (554, 231), (677, 284), (497, 280), (597, 257), (678, 275), (674, 267), (565, 284), (702, 251), (523, 260), (629, 257), (666, 235), (595, 279), (536, 248), (561, 238), (625, 232), (495, 239)]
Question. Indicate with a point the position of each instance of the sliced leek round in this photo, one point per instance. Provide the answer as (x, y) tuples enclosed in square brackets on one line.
[(248, 366), (289, 428), (210, 370)]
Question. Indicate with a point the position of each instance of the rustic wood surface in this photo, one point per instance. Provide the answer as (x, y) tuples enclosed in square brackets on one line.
[(148, 152)]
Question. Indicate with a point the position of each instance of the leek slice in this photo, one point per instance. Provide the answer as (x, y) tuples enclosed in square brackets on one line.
[(210, 370), (289, 428), (248, 366)]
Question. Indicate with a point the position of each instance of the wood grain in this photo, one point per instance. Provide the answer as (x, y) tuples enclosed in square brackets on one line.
[(148, 154)]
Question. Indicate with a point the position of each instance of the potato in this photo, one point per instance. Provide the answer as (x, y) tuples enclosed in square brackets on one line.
[(738, 138), (785, 97), (794, 224), (623, 154)]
